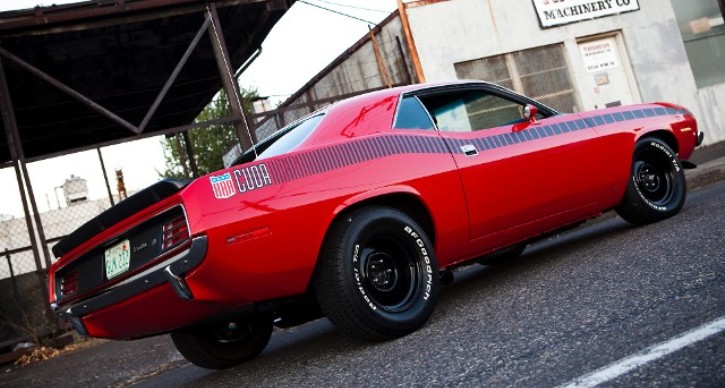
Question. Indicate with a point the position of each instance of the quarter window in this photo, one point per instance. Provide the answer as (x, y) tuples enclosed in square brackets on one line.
[(412, 115)]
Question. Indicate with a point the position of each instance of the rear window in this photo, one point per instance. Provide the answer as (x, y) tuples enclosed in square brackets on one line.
[(282, 141), (292, 138)]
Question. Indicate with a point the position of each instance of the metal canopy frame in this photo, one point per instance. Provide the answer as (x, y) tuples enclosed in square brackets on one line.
[(97, 14)]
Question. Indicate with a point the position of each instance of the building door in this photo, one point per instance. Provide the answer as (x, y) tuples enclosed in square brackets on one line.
[(603, 75)]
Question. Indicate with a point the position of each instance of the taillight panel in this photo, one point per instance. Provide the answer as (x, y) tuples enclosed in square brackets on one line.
[(149, 241)]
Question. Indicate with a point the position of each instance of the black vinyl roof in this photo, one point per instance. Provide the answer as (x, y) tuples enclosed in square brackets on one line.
[(118, 53)]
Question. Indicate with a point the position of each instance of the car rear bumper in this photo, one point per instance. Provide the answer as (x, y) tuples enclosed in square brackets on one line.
[(170, 272)]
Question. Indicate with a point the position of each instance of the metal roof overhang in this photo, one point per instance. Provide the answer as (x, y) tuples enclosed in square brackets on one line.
[(96, 73)]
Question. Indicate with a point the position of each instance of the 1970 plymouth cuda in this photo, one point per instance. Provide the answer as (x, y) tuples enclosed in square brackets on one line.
[(357, 212)]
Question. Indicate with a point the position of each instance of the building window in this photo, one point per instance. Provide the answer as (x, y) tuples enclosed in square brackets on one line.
[(540, 73), (703, 31)]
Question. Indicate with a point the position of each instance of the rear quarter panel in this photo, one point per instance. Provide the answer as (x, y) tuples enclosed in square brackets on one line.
[(264, 243)]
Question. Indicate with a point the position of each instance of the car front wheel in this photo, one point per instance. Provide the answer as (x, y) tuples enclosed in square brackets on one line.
[(657, 187), (223, 345), (378, 277)]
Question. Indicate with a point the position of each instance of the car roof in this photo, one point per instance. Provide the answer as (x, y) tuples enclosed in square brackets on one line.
[(398, 90)]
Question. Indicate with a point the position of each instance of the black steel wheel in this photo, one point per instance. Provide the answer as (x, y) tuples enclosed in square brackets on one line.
[(377, 278), (657, 187), (225, 344)]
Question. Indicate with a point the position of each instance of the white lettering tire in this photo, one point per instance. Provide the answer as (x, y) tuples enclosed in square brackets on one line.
[(377, 278), (657, 187)]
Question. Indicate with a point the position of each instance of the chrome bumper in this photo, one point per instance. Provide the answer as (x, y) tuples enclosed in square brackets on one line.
[(170, 271)]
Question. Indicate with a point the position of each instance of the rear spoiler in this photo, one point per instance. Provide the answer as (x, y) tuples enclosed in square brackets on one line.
[(131, 205)]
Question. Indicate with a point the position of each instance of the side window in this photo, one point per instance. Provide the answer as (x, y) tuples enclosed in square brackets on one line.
[(472, 110), (412, 115)]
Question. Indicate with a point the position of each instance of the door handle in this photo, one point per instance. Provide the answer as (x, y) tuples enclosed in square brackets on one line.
[(469, 150)]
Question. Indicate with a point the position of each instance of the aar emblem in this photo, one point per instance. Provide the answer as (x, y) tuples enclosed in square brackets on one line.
[(223, 186)]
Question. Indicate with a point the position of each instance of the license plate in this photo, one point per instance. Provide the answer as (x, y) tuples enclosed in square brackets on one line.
[(118, 259)]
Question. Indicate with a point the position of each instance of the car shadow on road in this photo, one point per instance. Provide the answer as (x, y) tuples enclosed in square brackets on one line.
[(293, 348)]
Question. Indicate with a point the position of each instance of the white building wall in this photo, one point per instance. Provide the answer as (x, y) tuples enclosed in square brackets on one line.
[(453, 31), (356, 70)]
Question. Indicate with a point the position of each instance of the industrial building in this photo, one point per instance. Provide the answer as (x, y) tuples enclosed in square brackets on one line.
[(574, 55)]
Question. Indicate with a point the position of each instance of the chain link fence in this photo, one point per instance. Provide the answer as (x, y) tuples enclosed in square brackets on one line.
[(64, 203), (23, 300)]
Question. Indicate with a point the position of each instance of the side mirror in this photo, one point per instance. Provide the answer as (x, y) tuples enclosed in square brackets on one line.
[(530, 112)]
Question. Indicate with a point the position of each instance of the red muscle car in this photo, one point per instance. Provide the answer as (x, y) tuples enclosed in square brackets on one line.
[(357, 212)]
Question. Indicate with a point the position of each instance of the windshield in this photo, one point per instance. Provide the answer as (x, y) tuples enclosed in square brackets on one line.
[(282, 141)]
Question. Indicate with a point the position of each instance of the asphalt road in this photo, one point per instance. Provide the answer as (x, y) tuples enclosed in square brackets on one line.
[(569, 306)]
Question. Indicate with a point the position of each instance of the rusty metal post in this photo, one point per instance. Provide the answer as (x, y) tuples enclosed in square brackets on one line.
[(105, 176), (411, 43), (246, 138), (190, 154), (279, 120), (182, 155), (408, 78), (21, 172), (16, 153), (12, 275), (36, 214), (382, 67)]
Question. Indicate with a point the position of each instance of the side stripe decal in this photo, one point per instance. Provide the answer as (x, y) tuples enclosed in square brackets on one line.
[(314, 162)]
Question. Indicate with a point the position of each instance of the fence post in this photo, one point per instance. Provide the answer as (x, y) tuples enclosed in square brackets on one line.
[(12, 275)]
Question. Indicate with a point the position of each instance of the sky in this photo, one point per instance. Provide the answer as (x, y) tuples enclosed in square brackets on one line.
[(302, 43)]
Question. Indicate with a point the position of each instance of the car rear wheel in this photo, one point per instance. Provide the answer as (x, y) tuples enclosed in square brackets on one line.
[(657, 187), (378, 277), (222, 345)]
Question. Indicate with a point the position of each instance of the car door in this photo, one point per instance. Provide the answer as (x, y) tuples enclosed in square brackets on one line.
[(520, 177)]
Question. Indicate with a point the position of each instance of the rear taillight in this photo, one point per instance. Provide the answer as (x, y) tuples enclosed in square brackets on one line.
[(175, 232), (69, 284)]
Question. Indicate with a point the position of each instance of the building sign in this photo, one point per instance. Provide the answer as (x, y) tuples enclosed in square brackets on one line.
[(599, 55), (556, 12)]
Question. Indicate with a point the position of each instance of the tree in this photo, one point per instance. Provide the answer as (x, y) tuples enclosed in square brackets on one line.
[(209, 143)]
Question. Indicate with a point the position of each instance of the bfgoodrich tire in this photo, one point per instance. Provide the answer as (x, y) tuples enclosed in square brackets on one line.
[(657, 187), (224, 345), (378, 277)]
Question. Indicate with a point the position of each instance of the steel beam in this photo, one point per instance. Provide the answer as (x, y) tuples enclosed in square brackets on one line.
[(408, 79), (70, 91), (190, 154), (246, 137), (105, 177), (145, 135), (402, 9), (16, 153), (81, 16), (174, 74)]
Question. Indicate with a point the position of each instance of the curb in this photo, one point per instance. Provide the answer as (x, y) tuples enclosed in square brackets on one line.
[(706, 174)]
